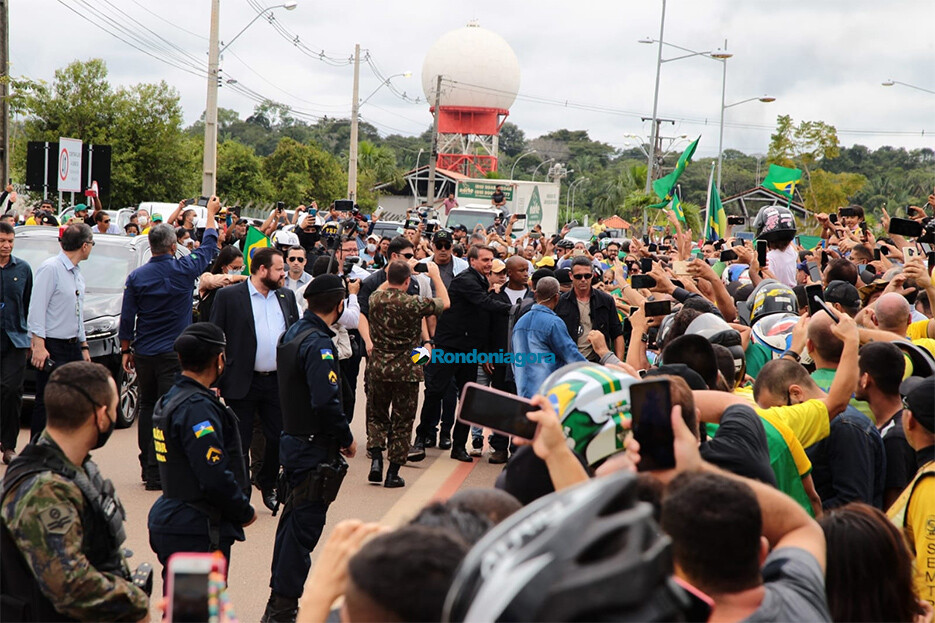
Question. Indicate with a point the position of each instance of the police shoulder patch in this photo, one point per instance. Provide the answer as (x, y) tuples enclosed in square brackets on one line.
[(202, 428), (327, 354), (332, 377), (58, 519), (213, 455)]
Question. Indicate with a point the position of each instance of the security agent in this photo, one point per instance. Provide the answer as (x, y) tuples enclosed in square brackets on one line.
[(62, 523), (315, 434), (203, 506)]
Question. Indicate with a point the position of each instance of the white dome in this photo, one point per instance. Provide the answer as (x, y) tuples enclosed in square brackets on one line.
[(482, 65)]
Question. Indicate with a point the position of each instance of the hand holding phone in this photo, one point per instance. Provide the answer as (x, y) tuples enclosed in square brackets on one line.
[(188, 576), (761, 253), (651, 422), (497, 410)]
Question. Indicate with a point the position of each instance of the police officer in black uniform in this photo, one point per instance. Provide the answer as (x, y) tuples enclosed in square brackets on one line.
[(315, 435), (204, 504)]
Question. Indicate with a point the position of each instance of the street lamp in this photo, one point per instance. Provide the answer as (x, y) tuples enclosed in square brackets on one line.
[(720, 141), (889, 83), (521, 156), (536, 170), (210, 157), (405, 74)]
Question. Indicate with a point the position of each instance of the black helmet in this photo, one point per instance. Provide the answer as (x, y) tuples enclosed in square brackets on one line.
[(588, 553), (769, 297), (774, 223)]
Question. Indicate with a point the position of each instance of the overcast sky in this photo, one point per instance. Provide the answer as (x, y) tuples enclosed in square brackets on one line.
[(820, 60)]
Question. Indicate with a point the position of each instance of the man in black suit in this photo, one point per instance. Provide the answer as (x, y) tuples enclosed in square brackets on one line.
[(253, 314), (462, 328)]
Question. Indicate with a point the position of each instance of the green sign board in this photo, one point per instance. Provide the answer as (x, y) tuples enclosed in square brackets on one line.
[(534, 209), (482, 190)]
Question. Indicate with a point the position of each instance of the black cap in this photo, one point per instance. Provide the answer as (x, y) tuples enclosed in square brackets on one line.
[(323, 284), (563, 275), (919, 397), (199, 338), (843, 293), (442, 235)]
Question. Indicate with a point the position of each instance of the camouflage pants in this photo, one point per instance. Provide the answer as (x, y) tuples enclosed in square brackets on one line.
[(391, 432)]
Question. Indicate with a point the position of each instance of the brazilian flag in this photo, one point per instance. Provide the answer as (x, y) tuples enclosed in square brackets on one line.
[(252, 242), (781, 179), (665, 186), (676, 206), (715, 217)]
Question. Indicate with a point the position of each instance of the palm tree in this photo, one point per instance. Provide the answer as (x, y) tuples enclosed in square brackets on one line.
[(612, 195)]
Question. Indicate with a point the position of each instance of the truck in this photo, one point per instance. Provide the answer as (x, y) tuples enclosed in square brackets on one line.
[(537, 200)]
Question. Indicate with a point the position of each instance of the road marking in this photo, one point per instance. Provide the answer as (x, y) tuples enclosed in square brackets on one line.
[(438, 482)]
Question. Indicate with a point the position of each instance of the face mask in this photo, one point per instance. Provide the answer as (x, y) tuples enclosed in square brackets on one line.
[(234, 271), (143, 220), (103, 436)]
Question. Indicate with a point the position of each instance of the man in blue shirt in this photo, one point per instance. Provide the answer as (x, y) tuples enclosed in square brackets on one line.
[(15, 290), (157, 307), (541, 331)]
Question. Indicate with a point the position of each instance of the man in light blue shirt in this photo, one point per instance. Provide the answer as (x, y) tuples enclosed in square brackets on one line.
[(540, 331), (56, 313)]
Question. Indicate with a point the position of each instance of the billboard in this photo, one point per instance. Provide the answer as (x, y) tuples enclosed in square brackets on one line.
[(483, 190)]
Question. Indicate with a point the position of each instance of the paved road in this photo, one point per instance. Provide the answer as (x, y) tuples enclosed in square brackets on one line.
[(435, 477)]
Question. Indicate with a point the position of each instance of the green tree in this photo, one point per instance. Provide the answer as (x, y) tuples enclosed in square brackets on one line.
[(828, 191), (240, 175), (300, 173), (804, 146), (613, 193), (512, 139)]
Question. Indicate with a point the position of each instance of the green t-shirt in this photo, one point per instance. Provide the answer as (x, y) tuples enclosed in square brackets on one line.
[(757, 356), (823, 378)]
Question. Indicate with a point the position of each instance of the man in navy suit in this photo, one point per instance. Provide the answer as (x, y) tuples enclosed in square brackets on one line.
[(253, 314)]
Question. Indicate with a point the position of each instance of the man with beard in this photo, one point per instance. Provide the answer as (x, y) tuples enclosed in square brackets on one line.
[(253, 314)]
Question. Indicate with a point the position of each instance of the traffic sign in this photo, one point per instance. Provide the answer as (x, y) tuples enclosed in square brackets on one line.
[(69, 165)]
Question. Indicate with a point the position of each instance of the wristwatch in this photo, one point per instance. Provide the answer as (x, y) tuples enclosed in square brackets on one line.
[(792, 354)]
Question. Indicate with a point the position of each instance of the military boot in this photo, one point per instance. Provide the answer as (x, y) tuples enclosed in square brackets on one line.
[(376, 465), (393, 479), (280, 609)]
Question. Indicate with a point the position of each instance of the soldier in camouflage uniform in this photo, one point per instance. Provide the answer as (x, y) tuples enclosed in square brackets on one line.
[(62, 524), (392, 375)]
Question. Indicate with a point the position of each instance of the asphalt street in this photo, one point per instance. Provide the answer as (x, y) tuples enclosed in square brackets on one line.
[(437, 477)]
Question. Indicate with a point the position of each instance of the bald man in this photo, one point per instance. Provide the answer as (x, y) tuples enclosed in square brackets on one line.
[(892, 315)]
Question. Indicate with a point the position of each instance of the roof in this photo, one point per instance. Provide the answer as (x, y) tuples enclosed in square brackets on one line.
[(763, 196), (615, 222)]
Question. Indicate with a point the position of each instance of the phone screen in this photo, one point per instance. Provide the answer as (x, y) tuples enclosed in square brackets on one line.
[(761, 253), (651, 410), (813, 272), (811, 293), (905, 227), (189, 597), (728, 256), (497, 410), (203, 201), (876, 254), (642, 281), (658, 308), (646, 264)]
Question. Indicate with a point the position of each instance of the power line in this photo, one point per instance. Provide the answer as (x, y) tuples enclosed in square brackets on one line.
[(169, 22)]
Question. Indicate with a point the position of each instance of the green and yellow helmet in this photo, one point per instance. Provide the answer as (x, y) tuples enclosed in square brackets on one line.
[(593, 405)]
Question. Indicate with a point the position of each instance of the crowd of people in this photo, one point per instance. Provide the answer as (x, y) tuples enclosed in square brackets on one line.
[(801, 484)]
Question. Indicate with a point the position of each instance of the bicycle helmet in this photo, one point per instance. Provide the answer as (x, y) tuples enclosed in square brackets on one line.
[(588, 553), (774, 223), (592, 403), (283, 239), (664, 327), (714, 329), (775, 332), (769, 297)]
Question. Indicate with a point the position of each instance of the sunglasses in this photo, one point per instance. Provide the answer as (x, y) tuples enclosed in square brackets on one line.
[(90, 242), (105, 221), (442, 246), (301, 260), (581, 276), (408, 256)]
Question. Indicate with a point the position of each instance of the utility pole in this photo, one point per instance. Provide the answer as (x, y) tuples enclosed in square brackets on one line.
[(209, 175), (433, 159), (655, 148), (355, 108), (5, 91)]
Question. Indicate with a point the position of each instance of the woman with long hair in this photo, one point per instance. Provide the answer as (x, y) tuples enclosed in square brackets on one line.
[(226, 270)]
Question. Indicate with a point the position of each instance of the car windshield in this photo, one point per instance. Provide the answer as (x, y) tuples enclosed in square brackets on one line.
[(105, 271), (470, 219), (579, 233)]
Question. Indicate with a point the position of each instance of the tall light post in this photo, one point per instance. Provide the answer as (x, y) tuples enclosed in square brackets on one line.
[(521, 156), (720, 143), (355, 120), (536, 170), (889, 83), (210, 157)]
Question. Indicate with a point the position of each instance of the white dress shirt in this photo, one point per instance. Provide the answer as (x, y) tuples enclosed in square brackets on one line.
[(268, 324)]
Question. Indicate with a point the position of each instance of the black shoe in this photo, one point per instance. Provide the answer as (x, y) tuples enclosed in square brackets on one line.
[(280, 609), (460, 454), (444, 441), (498, 456), (417, 452), (428, 441), (153, 485), (376, 466), (269, 499), (393, 480)]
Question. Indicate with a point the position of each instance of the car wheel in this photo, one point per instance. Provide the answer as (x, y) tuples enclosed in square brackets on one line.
[(129, 405)]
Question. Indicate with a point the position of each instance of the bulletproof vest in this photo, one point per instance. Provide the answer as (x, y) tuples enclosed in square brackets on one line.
[(21, 599), (294, 396), (178, 479)]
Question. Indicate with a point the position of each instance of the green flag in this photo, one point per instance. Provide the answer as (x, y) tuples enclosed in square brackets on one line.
[(716, 218), (252, 242), (665, 186), (782, 179)]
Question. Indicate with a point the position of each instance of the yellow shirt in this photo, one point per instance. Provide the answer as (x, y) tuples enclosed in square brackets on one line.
[(918, 330), (31, 220), (808, 420), (920, 526), (796, 451)]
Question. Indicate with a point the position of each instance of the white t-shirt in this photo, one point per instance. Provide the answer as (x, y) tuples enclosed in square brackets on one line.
[(782, 264), (515, 295)]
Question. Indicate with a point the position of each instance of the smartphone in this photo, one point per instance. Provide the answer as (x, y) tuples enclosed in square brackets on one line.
[(203, 201), (711, 261), (638, 282), (827, 308), (813, 272), (646, 264), (728, 256), (48, 366), (910, 253), (657, 308), (718, 244), (651, 413), (813, 292), (761, 253), (680, 267), (497, 410), (876, 254), (833, 218), (187, 576), (189, 202), (343, 205), (534, 235), (735, 220), (847, 212), (520, 217), (420, 268), (653, 247), (280, 206), (863, 226), (905, 227), (645, 239)]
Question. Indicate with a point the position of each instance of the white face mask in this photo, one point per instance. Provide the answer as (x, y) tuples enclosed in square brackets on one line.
[(234, 271), (143, 220)]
